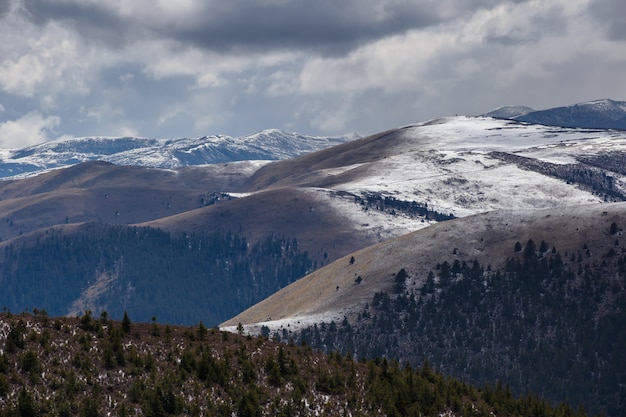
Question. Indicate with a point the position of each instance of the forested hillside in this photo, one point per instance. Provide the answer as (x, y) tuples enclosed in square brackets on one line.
[(94, 366), (548, 322), (147, 272)]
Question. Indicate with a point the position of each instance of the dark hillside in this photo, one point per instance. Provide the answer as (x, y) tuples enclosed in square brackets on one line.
[(147, 272), (600, 114), (548, 322)]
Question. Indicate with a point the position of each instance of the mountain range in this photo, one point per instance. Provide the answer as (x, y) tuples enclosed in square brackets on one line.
[(321, 240), (332, 202), (271, 144)]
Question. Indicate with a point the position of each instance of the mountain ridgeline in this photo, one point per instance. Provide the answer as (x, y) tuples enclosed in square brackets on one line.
[(597, 114), (271, 144), (148, 273)]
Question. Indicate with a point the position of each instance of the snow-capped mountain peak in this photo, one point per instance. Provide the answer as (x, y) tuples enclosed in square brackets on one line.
[(612, 109)]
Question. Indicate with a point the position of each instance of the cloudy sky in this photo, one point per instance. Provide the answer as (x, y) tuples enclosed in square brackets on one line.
[(165, 68)]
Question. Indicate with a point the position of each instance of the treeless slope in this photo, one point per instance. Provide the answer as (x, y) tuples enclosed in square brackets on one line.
[(218, 177), (102, 192), (114, 205), (488, 238), (297, 213)]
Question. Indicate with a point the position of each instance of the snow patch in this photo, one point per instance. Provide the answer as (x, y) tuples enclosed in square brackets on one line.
[(293, 324)]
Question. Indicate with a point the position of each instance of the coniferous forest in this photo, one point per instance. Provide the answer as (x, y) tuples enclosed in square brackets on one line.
[(548, 323), (148, 272)]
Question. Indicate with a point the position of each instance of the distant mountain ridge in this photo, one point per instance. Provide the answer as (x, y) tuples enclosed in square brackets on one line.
[(509, 112), (596, 114), (270, 144)]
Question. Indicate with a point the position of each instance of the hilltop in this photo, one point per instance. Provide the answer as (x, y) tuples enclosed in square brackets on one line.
[(533, 299)]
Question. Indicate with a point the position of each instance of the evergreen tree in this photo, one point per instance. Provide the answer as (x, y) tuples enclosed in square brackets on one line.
[(530, 250), (126, 323)]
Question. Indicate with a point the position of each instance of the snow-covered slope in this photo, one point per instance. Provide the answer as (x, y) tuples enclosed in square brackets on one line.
[(458, 165), (450, 164), (331, 293), (269, 144), (596, 114)]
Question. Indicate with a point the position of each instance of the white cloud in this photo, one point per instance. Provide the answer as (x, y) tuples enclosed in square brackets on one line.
[(42, 59), (29, 129), (391, 64), (507, 54), (127, 131), (491, 40), (22, 75)]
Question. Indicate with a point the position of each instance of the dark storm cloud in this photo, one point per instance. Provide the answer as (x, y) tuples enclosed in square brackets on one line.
[(324, 26), (4, 7), (611, 14), (93, 21), (230, 25)]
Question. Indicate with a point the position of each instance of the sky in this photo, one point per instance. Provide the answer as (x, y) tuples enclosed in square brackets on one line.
[(189, 68)]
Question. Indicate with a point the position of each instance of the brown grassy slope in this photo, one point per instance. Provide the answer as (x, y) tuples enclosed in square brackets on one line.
[(219, 177), (282, 204), (102, 192), (291, 212), (114, 205), (488, 238)]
